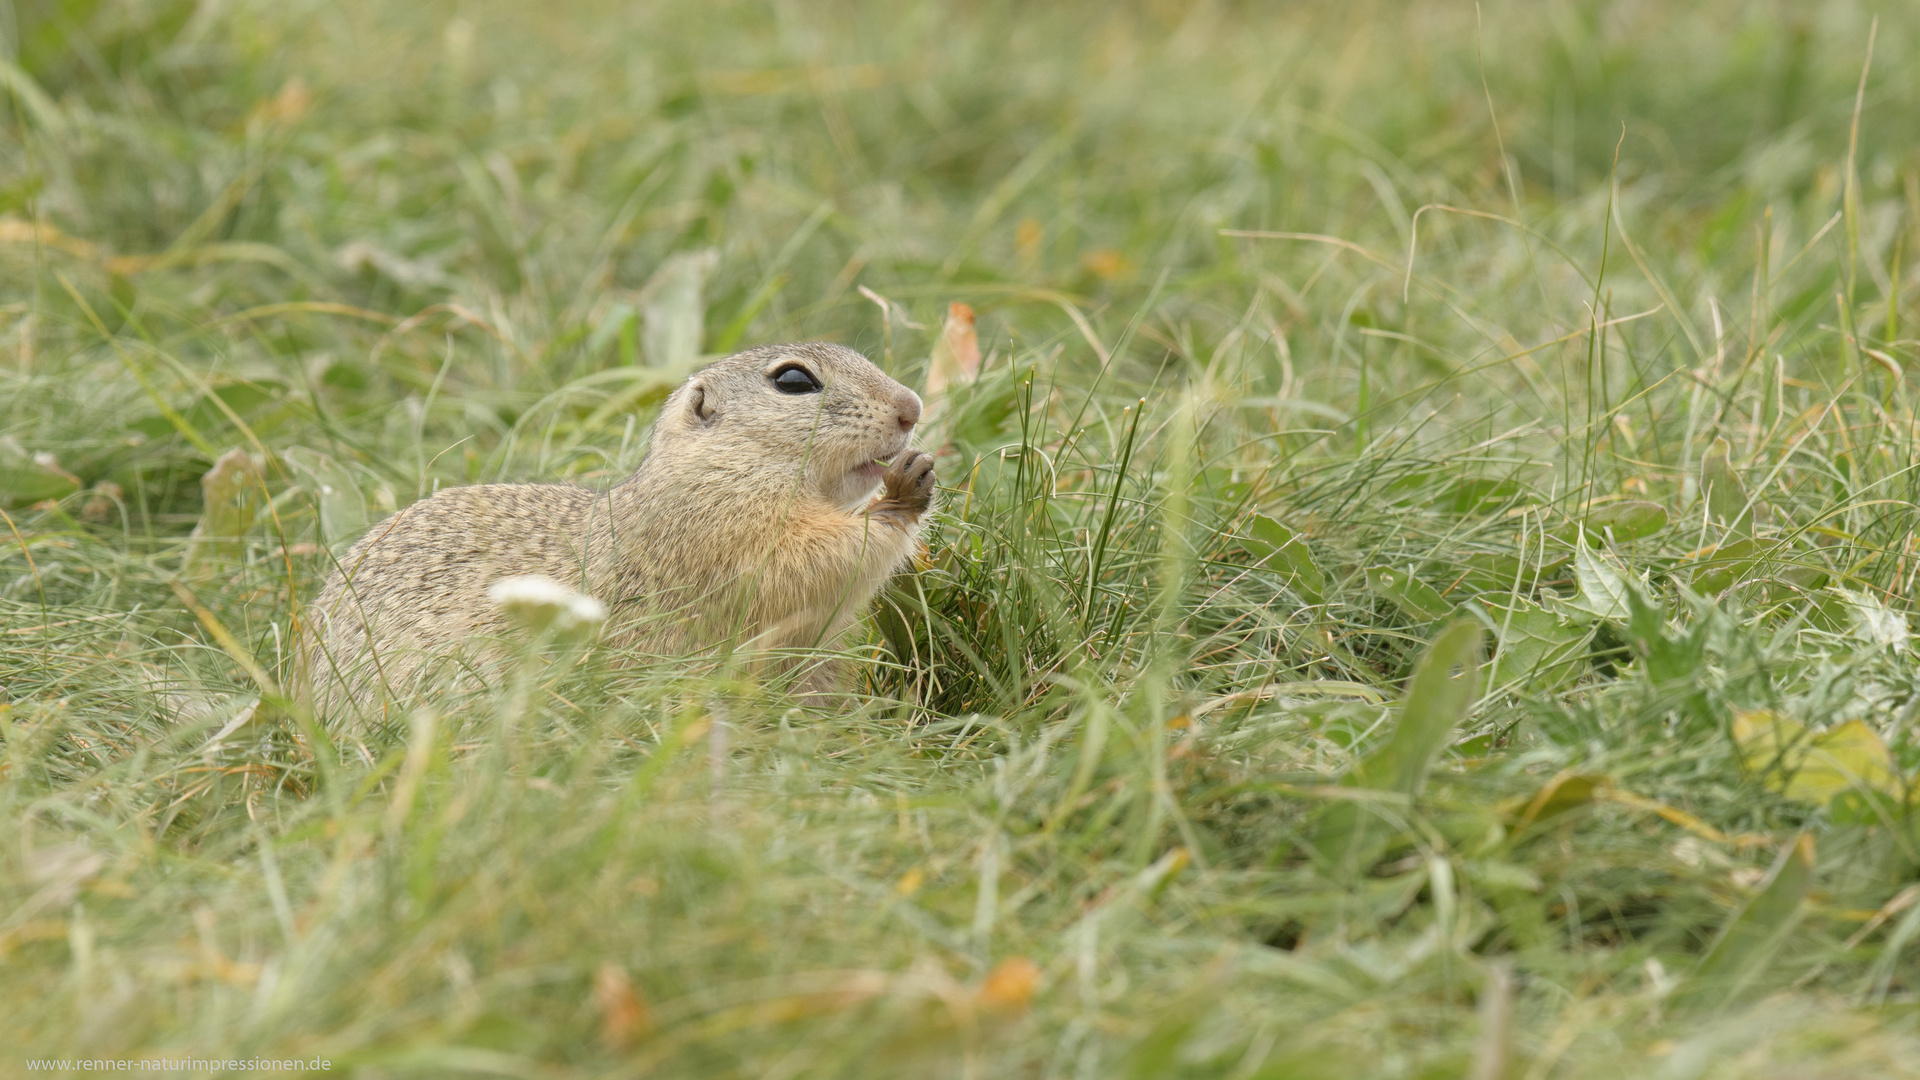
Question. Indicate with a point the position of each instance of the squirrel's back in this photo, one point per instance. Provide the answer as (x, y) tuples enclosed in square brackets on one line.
[(419, 579)]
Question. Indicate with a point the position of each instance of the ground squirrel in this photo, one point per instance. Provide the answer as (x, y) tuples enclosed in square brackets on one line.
[(752, 520)]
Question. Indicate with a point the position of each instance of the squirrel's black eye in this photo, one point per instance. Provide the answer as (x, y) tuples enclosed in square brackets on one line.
[(796, 380)]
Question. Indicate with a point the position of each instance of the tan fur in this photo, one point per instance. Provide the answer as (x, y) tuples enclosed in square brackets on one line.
[(748, 523)]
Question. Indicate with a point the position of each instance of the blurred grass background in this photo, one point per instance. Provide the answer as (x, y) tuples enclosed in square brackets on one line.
[(1578, 327)]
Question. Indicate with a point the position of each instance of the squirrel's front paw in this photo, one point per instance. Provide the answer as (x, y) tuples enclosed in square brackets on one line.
[(907, 486)]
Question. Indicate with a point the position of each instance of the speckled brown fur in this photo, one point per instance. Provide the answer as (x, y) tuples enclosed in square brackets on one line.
[(751, 521)]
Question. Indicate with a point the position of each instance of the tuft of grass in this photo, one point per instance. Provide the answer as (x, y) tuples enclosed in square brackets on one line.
[(1422, 586)]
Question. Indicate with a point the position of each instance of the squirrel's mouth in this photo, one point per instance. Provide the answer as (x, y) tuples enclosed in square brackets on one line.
[(871, 470)]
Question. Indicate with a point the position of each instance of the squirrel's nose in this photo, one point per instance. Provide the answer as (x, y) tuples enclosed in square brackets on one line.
[(907, 409)]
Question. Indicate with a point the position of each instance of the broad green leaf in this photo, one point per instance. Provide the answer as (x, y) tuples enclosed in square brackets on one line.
[(1719, 567), (1624, 521), (1603, 585), (29, 485), (1715, 569), (1499, 572), (1536, 649), (1280, 550), (1478, 494), (1438, 697), (1219, 482), (343, 513), (27, 479), (207, 415), (1411, 595), (1478, 746), (1750, 938), (1720, 486), (1668, 654), (673, 311), (230, 495), (1497, 874), (1794, 578)]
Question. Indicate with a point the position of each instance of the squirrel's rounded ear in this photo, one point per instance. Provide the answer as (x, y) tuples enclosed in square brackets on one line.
[(699, 407)]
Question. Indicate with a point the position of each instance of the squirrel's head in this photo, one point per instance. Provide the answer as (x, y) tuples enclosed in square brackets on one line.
[(819, 414)]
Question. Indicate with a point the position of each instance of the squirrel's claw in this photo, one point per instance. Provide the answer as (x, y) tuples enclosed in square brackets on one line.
[(907, 486)]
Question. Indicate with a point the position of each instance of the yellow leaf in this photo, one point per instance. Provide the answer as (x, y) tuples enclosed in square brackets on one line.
[(909, 882), (1026, 239), (13, 230), (1814, 769), (1847, 758), (1681, 818), (1565, 791), (1107, 264), (1769, 742)]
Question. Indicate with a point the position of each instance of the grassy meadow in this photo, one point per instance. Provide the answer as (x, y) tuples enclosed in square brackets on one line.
[(1421, 586)]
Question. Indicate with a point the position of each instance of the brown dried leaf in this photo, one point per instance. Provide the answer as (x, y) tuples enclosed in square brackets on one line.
[(623, 1015), (956, 355), (1010, 985)]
